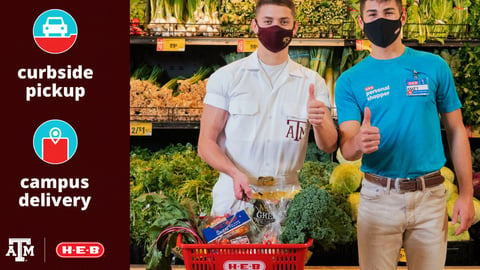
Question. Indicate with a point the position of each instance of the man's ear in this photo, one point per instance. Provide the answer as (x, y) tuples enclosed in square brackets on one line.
[(403, 17), (254, 26), (295, 28), (360, 21)]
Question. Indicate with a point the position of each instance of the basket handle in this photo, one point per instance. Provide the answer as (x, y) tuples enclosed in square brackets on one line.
[(179, 240)]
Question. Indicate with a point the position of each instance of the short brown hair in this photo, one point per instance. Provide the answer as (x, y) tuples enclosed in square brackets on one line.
[(286, 3), (362, 4)]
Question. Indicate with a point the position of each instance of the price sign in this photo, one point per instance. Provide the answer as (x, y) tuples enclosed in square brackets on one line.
[(247, 45), (170, 44), (140, 129), (473, 131), (363, 44), (402, 257), (476, 132)]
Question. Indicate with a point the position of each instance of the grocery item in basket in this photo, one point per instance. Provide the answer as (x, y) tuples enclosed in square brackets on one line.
[(278, 212), (270, 208), (221, 229), (268, 199), (240, 240)]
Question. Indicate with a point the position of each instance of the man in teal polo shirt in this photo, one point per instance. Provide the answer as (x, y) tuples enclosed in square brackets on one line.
[(388, 109)]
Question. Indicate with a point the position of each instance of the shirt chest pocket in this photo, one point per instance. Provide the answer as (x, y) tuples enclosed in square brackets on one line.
[(242, 122)]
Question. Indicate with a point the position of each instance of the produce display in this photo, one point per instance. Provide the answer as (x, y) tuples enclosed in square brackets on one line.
[(236, 17), (322, 19), (138, 10), (328, 223), (171, 188), (179, 99), (437, 20), (176, 171), (155, 97), (184, 18), (465, 65), (432, 20), (346, 178), (451, 196)]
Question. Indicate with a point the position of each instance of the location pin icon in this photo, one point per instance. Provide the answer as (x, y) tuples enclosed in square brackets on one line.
[(55, 134)]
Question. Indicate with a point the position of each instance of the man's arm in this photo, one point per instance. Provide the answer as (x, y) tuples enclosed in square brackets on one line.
[(320, 118), (462, 161), (326, 134), (348, 147), (356, 139), (212, 124)]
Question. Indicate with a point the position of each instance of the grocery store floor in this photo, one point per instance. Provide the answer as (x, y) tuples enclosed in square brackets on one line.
[(178, 267)]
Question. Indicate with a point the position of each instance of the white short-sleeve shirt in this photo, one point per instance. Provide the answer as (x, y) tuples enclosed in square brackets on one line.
[(266, 133)]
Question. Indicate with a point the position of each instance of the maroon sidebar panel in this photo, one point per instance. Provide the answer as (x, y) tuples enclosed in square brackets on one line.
[(65, 135)]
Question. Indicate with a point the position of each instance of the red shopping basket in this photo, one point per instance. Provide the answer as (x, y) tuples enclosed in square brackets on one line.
[(243, 256)]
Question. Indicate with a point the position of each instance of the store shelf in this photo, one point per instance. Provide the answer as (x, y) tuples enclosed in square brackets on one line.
[(326, 42), (176, 125), (168, 117), (219, 41), (451, 43)]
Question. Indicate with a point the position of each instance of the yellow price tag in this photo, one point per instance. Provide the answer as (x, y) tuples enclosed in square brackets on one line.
[(171, 44), (476, 132), (247, 45), (363, 44), (473, 131), (402, 257), (140, 129)]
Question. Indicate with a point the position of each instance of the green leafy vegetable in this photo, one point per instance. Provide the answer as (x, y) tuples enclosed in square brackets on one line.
[(468, 84), (473, 19), (176, 170), (458, 28), (321, 18), (415, 26), (315, 154), (315, 213), (346, 178), (173, 218), (315, 173)]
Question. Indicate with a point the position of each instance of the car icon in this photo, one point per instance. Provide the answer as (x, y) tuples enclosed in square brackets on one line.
[(56, 26)]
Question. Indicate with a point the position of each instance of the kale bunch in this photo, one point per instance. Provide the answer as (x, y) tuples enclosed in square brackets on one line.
[(314, 213)]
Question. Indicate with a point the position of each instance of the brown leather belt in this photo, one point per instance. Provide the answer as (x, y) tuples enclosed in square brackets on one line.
[(407, 184)]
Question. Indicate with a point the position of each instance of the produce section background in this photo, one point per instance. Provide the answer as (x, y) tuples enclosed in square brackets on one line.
[(167, 87)]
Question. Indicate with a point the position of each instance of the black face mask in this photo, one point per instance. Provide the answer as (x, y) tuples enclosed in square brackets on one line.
[(383, 32)]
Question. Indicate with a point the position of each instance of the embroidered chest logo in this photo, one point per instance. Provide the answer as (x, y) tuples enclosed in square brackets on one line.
[(377, 93), (296, 129)]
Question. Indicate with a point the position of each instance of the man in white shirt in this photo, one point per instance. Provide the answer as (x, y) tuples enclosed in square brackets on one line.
[(259, 110)]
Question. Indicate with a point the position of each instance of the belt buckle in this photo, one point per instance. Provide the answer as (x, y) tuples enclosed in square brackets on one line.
[(398, 181)]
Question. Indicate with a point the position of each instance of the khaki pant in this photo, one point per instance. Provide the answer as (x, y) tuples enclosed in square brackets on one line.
[(388, 220)]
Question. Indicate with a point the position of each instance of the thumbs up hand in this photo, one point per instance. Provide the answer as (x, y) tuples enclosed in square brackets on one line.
[(368, 139), (316, 110)]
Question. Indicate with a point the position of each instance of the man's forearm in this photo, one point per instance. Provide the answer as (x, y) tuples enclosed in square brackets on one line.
[(326, 136), (461, 158), (212, 154), (350, 149)]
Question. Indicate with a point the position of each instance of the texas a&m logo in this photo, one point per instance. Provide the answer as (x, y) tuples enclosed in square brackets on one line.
[(296, 129), (20, 248)]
